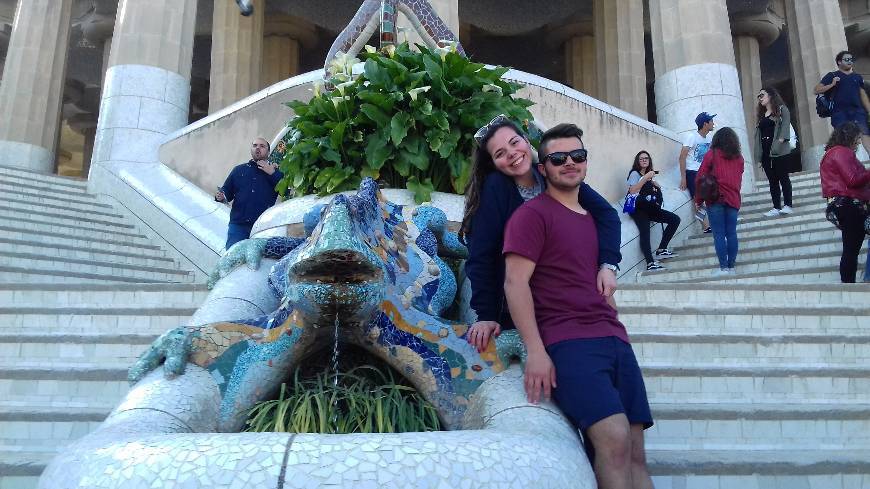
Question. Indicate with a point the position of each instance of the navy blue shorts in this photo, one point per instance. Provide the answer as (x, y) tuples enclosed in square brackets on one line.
[(690, 182), (597, 378), (857, 116)]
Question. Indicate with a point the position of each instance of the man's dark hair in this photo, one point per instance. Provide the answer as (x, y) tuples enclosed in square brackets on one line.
[(840, 55), (558, 131)]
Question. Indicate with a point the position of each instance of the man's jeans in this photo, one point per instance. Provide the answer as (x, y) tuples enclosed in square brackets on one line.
[(237, 232)]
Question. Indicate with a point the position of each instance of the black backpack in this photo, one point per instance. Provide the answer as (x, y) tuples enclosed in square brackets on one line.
[(825, 102), (650, 197)]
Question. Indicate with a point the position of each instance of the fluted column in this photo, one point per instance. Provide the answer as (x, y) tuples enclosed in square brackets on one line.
[(695, 68), (285, 36), (580, 64), (32, 88), (236, 54), (748, 60), (815, 36), (618, 26)]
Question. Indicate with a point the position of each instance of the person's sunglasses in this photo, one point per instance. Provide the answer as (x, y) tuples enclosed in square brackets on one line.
[(848, 60), (481, 133), (560, 157)]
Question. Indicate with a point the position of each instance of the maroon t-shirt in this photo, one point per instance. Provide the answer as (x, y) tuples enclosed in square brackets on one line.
[(564, 246)]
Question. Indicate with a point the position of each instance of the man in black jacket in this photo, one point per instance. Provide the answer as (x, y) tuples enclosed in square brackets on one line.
[(251, 188)]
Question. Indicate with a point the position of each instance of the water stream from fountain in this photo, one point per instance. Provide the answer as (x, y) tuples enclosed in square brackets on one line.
[(334, 366)]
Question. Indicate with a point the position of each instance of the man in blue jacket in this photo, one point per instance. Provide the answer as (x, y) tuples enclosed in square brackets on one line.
[(251, 188)]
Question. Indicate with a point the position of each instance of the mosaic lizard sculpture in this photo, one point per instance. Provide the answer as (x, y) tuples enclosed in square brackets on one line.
[(373, 265), (382, 13)]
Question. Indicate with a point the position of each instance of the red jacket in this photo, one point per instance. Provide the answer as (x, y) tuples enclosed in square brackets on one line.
[(729, 173), (843, 175)]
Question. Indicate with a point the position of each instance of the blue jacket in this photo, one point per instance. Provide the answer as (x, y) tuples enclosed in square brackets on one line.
[(251, 190), (485, 267)]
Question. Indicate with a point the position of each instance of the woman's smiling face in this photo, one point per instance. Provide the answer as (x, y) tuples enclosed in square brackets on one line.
[(511, 153)]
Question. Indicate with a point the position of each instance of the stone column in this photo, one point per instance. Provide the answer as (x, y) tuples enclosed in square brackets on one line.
[(236, 54), (33, 79), (815, 36), (618, 26), (284, 38), (448, 10), (580, 64), (695, 68)]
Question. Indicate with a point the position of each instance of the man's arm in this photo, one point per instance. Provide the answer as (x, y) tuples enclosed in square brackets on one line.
[(823, 87), (683, 154), (864, 100), (229, 187), (540, 374)]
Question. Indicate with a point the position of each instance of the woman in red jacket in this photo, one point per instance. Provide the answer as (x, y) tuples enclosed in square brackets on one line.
[(724, 161), (846, 185)]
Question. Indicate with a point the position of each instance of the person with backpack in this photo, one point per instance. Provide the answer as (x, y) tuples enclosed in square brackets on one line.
[(845, 89), (718, 185), (648, 208)]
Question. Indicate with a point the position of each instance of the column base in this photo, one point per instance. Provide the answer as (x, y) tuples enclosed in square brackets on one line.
[(27, 156)]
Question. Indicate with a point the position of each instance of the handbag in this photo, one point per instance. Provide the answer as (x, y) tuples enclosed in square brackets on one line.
[(630, 204), (650, 197), (707, 186), (792, 138)]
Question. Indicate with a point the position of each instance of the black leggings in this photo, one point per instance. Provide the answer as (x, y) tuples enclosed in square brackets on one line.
[(851, 219), (777, 175), (643, 217)]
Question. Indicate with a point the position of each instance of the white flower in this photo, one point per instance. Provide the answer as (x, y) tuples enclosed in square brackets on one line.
[(342, 63), (338, 100), (445, 47), (370, 49), (317, 87), (342, 86), (416, 91), (489, 87)]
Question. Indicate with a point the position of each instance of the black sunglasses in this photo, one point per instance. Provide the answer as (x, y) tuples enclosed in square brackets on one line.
[(560, 157)]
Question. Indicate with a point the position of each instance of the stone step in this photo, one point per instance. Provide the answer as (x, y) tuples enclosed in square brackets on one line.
[(760, 207), (690, 426), (56, 220), (49, 190), (73, 230), (799, 188), (112, 271), (94, 207), (91, 319), (763, 349), (755, 213), (768, 229), (27, 207), (653, 296), (20, 469), (765, 237), (713, 383), (103, 241), (34, 194), (19, 275), (746, 468), (804, 181), (33, 436), (26, 348), (149, 258), (14, 174), (800, 250), (705, 319), (189, 295), (815, 269)]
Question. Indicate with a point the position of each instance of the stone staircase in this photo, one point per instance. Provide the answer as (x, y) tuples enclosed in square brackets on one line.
[(761, 379), (83, 290)]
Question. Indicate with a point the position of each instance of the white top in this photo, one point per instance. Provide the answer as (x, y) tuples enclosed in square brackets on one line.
[(698, 146)]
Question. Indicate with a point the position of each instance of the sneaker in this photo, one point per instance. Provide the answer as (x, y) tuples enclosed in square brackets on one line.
[(708, 230), (773, 212), (785, 210), (654, 266), (664, 254), (731, 271), (720, 272)]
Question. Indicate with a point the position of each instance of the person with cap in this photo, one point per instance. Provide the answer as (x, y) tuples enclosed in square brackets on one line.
[(851, 103), (695, 146)]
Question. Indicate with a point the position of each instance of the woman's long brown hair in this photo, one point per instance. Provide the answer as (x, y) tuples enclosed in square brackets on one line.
[(775, 103)]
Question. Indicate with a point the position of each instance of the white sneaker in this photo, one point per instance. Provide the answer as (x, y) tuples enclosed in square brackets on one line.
[(772, 213), (786, 210), (720, 272), (731, 271)]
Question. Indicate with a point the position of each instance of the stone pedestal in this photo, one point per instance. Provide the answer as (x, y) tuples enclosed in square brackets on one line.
[(618, 26), (815, 36), (32, 87), (695, 68), (236, 54), (580, 64)]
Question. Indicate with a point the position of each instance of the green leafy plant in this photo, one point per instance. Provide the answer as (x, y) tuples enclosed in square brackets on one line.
[(407, 119), (362, 400)]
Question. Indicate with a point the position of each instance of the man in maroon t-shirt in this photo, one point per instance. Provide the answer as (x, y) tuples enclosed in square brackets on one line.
[(575, 343)]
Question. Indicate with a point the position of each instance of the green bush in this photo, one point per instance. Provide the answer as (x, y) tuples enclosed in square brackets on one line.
[(408, 119), (363, 400)]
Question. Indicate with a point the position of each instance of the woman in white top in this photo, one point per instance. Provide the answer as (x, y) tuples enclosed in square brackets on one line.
[(649, 209)]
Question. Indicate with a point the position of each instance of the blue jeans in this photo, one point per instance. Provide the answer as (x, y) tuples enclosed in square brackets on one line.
[(238, 232), (723, 220)]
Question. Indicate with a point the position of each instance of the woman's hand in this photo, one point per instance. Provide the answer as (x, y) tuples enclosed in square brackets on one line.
[(480, 333), (540, 376)]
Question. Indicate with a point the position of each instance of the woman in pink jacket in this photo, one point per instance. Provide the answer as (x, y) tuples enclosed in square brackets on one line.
[(723, 160), (846, 185)]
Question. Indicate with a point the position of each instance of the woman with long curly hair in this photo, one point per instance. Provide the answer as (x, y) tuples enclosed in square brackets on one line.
[(503, 177), (771, 143), (725, 162), (640, 181), (846, 185)]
